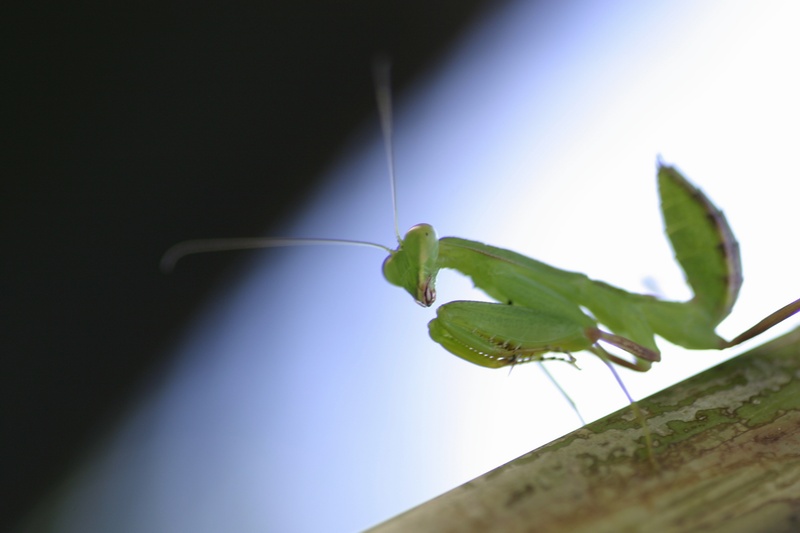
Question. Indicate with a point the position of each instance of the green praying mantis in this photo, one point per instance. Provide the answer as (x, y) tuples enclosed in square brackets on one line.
[(543, 313), (541, 308)]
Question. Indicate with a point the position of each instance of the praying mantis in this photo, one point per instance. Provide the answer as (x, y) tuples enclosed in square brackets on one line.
[(540, 308), (544, 313)]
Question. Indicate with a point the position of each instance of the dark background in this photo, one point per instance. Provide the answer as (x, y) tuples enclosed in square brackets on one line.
[(127, 129)]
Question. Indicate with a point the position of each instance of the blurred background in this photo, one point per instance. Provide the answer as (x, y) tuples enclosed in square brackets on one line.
[(294, 389)]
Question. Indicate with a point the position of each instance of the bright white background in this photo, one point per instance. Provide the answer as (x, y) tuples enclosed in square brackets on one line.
[(308, 397)]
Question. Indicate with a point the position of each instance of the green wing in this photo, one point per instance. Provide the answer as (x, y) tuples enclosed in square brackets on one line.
[(703, 243)]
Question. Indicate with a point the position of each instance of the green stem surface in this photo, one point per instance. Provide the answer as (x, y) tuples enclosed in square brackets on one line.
[(726, 446)]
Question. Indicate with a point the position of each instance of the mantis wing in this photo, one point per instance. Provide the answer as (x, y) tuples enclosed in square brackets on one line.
[(703, 244)]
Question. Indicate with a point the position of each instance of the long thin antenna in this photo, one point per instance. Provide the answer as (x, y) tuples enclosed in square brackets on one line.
[(381, 69), (182, 249)]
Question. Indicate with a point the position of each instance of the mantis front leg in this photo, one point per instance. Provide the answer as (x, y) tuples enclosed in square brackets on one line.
[(496, 335)]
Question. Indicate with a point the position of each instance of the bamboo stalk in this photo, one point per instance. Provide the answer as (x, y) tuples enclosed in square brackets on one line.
[(726, 450)]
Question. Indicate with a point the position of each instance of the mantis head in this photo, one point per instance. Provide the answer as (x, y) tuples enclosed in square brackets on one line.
[(414, 264)]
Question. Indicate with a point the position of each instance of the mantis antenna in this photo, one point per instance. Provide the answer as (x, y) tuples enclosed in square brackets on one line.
[(383, 95), (184, 248)]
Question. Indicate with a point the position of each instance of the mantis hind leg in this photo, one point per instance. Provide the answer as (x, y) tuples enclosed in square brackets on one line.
[(563, 393), (775, 318)]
